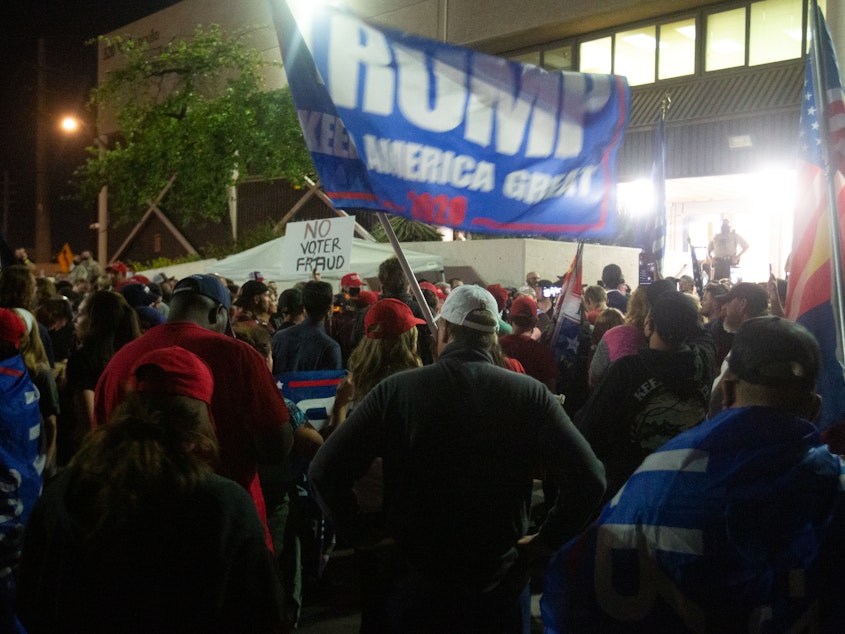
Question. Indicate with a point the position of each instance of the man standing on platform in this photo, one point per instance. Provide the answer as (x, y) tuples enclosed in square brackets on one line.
[(722, 251)]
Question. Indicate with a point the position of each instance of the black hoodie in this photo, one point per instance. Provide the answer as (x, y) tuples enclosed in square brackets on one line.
[(643, 401)]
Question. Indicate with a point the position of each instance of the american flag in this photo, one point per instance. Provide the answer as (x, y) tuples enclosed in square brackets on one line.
[(810, 283), (567, 330)]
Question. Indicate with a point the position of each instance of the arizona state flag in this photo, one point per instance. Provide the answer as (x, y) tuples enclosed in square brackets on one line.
[(809, 293)]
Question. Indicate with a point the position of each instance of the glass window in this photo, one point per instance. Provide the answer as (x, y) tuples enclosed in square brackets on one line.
[(775, 31), (558, 58), (725, 40), (596, 56), (676, 53), (527, 58), (634, 55)]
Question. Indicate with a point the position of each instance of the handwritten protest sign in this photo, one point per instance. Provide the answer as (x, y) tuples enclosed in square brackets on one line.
[(323, 245)]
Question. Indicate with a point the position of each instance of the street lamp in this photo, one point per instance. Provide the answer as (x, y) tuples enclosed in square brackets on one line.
[(71, 125)]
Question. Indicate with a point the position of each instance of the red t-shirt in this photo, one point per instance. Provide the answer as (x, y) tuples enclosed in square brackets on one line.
[(514, 366), (538, 360), (246, 405)]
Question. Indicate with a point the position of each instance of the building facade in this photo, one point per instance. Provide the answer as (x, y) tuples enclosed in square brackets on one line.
[(732, 72)]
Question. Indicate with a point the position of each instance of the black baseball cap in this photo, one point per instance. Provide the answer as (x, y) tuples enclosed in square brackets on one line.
[(250, 289), (775, 352)]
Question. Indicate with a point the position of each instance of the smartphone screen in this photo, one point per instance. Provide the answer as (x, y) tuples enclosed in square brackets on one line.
[(648, 269)]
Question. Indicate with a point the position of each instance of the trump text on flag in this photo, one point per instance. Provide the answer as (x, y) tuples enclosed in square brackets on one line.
[(450, 136)]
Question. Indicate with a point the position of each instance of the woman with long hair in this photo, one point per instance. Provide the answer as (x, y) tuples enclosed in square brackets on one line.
[(17, 287), (623, 340), (18, 290), (138, 533), (38, 368), (104, 324), (389, 346)]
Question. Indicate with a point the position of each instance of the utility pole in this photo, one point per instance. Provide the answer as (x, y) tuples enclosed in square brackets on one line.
[(7, 199), (43, 239)]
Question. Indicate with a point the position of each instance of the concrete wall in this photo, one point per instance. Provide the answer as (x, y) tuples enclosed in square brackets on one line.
[(503, 262), (507, 261)]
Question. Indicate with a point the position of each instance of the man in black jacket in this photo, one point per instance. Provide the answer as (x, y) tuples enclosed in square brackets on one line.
[(460, 441)]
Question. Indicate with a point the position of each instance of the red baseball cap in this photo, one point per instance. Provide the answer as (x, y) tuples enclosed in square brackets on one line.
[(428, 285), (500, 294), (117, 265), (368, 298), (173, 370), (351, 279), (12, 327), (389, 318), (523, 306)]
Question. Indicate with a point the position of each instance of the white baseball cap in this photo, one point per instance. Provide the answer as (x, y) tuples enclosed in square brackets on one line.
[(463, 301)]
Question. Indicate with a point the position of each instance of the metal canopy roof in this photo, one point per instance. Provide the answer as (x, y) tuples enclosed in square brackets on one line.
[(726, 123)]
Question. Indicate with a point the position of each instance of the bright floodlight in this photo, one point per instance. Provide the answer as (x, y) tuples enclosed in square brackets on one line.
[(637, 197), (70, 124)]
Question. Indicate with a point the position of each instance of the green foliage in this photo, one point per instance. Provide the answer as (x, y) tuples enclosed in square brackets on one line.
[(196, 109), (246, 240), (163, 263), (407, 231)]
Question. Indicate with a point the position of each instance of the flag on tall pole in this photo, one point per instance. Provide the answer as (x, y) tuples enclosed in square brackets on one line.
[(567, 329), (815, 289), (658, 183), (450, 136), (653, 232), (696, 269)]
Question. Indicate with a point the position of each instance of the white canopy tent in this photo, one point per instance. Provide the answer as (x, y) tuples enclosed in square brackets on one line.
[(267, 259)]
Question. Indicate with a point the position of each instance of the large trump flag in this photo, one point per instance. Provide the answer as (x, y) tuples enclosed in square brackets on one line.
[(449, 136)]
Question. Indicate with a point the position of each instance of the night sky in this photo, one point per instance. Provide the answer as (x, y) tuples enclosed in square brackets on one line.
[(71, 74)]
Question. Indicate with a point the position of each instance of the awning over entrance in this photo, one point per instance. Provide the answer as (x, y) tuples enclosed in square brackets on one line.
[(728, 123)]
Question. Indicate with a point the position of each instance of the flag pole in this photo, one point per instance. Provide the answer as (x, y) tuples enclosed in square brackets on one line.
[(820, 79), (665, 104), (406, 268)]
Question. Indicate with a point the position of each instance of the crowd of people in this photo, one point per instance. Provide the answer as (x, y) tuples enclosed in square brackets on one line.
[(685, 487)]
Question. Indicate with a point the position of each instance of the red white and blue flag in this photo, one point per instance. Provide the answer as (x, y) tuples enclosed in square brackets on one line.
[(810, 289), (567, 332), (732, 526), (449, 136)]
